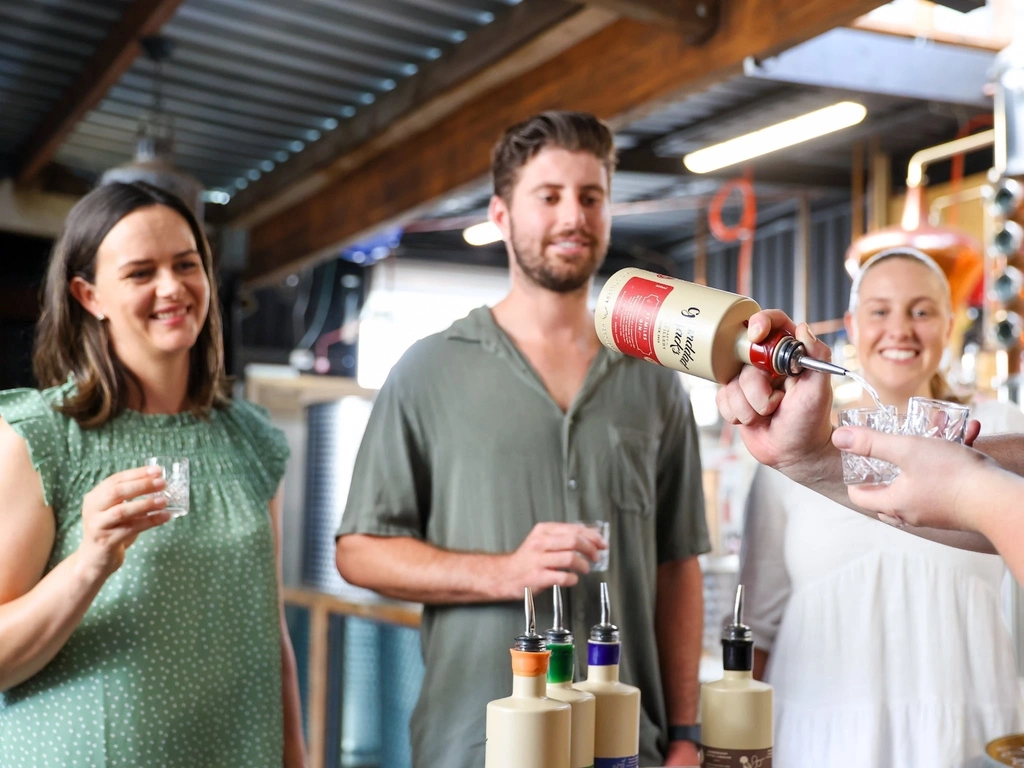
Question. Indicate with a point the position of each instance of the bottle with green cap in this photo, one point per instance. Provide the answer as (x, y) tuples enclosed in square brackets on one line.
[(617, 710), (736, 711), (528, 730), (560, 676)]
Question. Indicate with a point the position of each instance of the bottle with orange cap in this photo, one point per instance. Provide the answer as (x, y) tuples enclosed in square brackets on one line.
[(527, 729)]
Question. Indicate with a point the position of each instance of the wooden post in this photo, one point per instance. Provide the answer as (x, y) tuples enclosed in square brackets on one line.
[(881, 183), (319, 625), (700, 243), (857, 192)]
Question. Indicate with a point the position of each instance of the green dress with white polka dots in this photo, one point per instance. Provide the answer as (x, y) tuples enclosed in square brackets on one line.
[(178, 660)]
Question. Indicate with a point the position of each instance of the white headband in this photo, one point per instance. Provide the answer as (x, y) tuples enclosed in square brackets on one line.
[(891, 253)]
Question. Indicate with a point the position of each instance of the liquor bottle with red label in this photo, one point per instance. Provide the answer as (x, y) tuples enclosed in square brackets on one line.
[(693, 328)]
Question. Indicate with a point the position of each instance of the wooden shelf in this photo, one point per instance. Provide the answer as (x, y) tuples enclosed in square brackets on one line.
[(289, 395)]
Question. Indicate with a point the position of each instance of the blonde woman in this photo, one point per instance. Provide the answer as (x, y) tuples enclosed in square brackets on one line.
[(884, 649)]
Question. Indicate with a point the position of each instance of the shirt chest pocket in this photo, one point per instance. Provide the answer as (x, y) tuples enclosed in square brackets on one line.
[(633, 470)]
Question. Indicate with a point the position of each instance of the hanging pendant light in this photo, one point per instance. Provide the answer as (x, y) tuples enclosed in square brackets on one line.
[(154, 148)]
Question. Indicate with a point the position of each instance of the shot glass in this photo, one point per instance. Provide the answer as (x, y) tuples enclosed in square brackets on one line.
[(176, 475), (936, 418), (603, 528), (862, 470)]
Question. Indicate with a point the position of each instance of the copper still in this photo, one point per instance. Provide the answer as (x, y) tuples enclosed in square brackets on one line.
[(959, 254)]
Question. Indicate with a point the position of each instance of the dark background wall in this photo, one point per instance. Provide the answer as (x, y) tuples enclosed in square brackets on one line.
[(23, 261)]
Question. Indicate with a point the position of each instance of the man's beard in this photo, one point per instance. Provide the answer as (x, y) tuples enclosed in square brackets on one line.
[(543, 273)]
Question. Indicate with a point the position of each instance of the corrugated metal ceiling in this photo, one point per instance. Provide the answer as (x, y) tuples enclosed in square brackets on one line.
[(43, 45), (250, 82), (721, 97)]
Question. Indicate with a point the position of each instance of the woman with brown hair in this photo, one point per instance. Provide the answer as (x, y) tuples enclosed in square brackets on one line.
[(128, 637)]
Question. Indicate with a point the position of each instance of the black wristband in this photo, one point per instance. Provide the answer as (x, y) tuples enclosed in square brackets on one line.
[(684, 733)]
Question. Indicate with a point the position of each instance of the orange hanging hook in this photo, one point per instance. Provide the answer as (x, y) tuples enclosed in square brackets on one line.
[(743, 230)]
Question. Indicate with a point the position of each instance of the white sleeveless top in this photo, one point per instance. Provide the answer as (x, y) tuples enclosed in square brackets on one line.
[(885, 650)]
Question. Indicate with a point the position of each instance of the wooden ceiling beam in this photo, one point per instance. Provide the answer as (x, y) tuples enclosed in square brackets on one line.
[(524, 37), (923, 25), (113, 58), (696, 20), (620, 73)]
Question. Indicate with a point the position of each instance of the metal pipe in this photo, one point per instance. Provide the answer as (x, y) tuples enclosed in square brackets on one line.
[(857, 191), (802, 262), (942, 202), (918, 162)]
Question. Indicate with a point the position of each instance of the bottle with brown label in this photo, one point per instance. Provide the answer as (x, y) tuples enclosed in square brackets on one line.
[(560, 676), (736, 711), (527, 729), (692, 328), (617, 720)]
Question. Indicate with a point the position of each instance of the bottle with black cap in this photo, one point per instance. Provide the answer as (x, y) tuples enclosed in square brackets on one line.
[(528, 730), (560, 677), (736, 711), (617, 716)]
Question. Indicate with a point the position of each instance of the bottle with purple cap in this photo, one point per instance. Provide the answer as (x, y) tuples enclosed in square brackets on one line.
[(617, 711)]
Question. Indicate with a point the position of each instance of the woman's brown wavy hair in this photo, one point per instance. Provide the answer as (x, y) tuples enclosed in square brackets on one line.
[(71, 342)]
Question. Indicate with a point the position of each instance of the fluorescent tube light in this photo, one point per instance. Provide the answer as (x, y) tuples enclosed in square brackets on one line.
[(482, 234), (775, 137)]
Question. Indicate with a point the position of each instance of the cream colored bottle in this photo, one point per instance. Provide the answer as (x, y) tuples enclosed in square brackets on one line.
[(736, 711), (560, 675), (617, 717), (528, 730), (692, 328)]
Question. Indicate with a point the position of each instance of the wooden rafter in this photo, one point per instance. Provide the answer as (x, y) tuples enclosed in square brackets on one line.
[(622, 71), (113, 58), (694, 19), (922, 25)]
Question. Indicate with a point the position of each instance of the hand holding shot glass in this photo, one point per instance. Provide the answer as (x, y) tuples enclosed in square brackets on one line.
[(862, 470), (175, 472), (936, 418), (925, 418), (603, 527)]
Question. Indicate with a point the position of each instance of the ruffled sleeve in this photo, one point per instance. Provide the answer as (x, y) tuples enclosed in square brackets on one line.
[(33, 418), (267, 445)]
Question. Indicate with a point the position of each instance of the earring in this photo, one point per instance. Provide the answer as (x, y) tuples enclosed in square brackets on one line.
[(101, 317)]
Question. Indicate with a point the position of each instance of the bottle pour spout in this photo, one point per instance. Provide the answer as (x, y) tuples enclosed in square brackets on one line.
[(558, 634), (529, 641)]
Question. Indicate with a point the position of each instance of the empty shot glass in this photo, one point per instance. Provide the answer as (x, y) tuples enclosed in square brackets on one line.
[(603, 528), (936, 418), (176, 476), (862, 470)]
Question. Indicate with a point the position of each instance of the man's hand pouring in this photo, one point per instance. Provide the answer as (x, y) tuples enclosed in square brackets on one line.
[(784, 421)]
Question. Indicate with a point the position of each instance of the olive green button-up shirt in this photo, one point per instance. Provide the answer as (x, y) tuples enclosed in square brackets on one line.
[(465, 449)]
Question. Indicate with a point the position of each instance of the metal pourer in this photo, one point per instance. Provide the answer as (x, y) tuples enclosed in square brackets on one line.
[(737, 640), (558, 635), (737, 631), (605, 632), (790, 358), (530, 642)]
